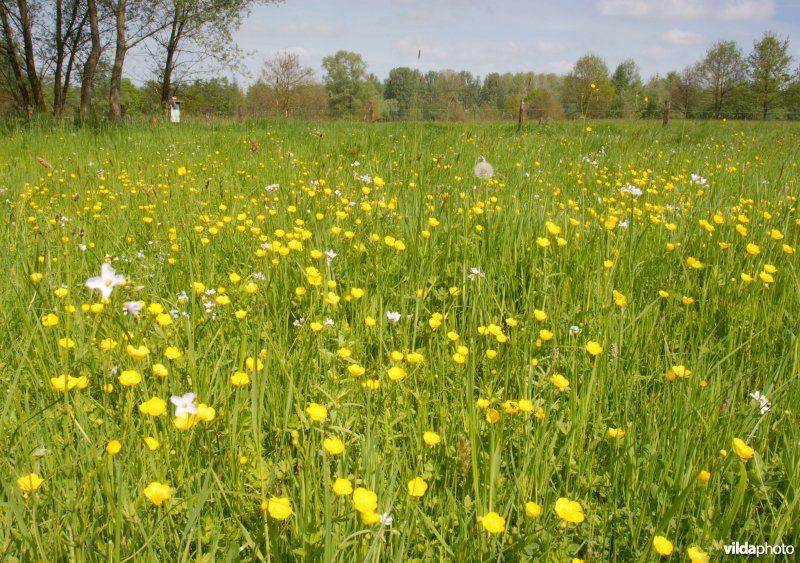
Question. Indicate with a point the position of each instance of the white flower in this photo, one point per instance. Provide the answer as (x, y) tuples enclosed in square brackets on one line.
[(272, 187), (631, 189), (475, 273), (107, 281), (330, 254), (184, 403), (575, 329), (133, 307), (762, 400), (386, 519), (393, 316), (698, 180), (327, 321), (483, 170)]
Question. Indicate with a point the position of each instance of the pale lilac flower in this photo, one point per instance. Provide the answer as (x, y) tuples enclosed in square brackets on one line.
[(763, 401), (184, 403), (393, 316), (107, 280), (133, 307)]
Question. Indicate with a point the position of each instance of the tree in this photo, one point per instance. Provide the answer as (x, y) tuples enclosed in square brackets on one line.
[(542, 105), (346, 83), (70, 23), (627, 83), (403, 86), (722, 69), (286, 76), (684, 89), (90, 66), (768, 67), (588, 91)]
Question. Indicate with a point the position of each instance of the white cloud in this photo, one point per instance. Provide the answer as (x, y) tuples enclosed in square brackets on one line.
[(316, 29), (742, 10), (726, 10), (680, 37), (549, 46)]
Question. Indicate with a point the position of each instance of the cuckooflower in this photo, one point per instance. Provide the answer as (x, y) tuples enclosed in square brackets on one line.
[(107, 281)]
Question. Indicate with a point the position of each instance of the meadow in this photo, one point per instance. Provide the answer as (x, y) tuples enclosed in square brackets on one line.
[(585, 348)]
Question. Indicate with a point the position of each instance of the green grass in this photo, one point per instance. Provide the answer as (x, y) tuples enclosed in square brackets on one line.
[(119, 193)]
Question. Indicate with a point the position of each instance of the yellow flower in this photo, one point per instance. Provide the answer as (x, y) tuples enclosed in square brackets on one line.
[(697, 555), (545, 334), (569, 510), (151, 443), (417, 487), (431, 438), (154, 407), (694, 263), (278, 508), (172, 353), (108, 344), (742, 450), (206, 413), (334, 446), (181, 170), (679, 371), (615, 433), (240, 378), (532, 510), (316, 412), (370, 321), (342, 487), (36, 277), (184, 421), (766, 277), (160, 370), (494, 523), (752, 249), (542, 242), (50, 319), (559, 381), (525, 405), (64, 383), (746, 278), (482, 403), (137, 352), (415, 358), (396, 373), (539, 315), (114, 447), (29, 483), (492, 416), (704, 476), (157, 493), (619, 299), (129, 378), (662, 545), (365, 500), (594, 348), (164, 319), (370, 518)]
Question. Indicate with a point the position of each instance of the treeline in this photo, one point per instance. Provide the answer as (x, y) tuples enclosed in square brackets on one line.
[(67, 57)]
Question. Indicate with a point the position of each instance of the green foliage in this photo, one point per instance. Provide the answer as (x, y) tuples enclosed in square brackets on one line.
[(347, 85), (588, 91), (769, 71), (559, 229)]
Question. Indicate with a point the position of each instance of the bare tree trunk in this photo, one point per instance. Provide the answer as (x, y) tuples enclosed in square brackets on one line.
[(30, 59), (115, 106), (91, 62), (176, 33), (58, 103), (11, 53)]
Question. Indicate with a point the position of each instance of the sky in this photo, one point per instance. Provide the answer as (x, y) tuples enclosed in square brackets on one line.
[(510, 35)]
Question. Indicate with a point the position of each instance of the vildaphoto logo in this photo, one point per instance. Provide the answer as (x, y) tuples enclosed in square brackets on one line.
[(758, 550)]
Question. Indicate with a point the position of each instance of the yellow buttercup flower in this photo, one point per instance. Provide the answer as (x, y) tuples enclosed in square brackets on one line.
[(316, 412), (157, 493), (417, 487), (493, 523), (662, 546), (29, 483), (742, 450), (569, 510), (278, 508), (342, 487), (334, 446), (431, 438), (532, 510), (154, 407), (594, 348), (365, 500)]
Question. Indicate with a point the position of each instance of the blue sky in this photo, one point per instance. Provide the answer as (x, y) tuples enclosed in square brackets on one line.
[(511, 35)]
